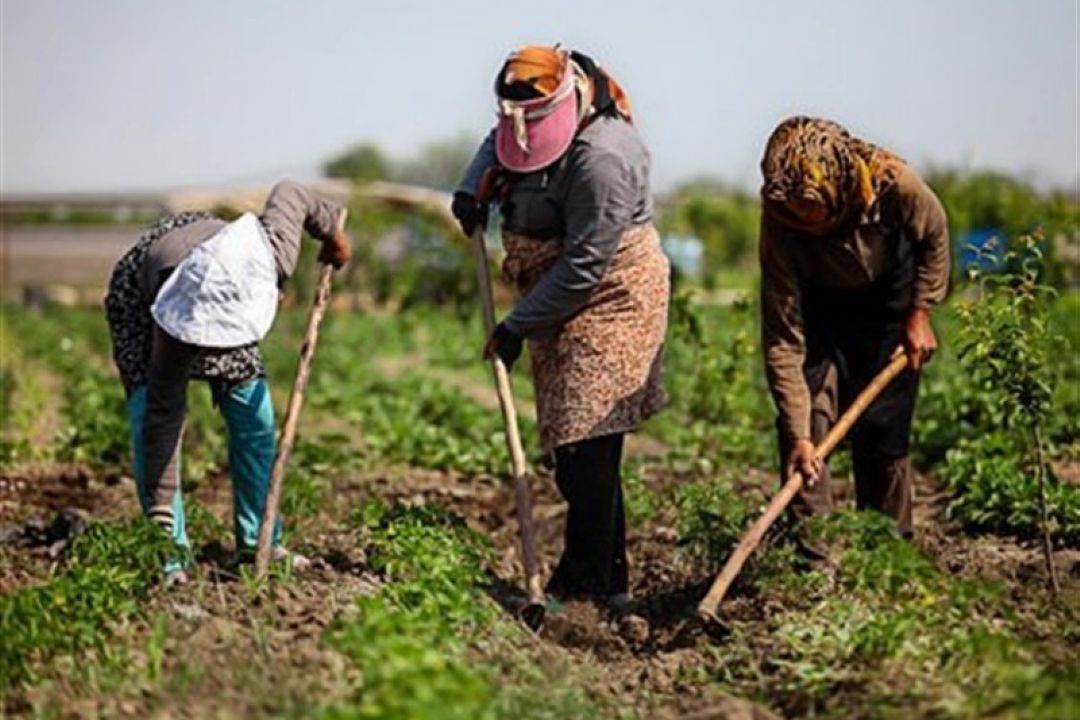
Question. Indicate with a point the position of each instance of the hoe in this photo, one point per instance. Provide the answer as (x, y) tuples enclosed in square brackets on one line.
[(292, 416), (533, 611), (707, 609)]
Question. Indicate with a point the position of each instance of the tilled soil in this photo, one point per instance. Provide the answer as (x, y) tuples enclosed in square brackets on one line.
[(653, 655)]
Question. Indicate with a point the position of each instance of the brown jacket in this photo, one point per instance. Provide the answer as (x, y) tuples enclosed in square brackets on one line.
[(852, 259)]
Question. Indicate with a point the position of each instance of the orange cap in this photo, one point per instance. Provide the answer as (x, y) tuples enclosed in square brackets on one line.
[(541, 66)]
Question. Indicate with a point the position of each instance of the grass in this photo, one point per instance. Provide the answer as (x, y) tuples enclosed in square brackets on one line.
[(889, 635), (413, 639), (887, 630), (104, 579), (995, 491)]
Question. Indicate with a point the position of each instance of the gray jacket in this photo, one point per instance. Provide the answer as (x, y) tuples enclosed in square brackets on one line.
[(584, 201)]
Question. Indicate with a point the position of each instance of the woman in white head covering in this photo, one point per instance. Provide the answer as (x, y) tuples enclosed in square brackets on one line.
[(191, 299)]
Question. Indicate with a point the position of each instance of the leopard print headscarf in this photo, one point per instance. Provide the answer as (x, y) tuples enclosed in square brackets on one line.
[(818, 160)]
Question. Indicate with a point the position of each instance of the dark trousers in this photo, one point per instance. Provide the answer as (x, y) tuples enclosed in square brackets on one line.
[(883, 479), (850, 336), (593, 563)]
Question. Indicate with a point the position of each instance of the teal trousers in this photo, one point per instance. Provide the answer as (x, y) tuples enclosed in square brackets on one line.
[(249, 423)]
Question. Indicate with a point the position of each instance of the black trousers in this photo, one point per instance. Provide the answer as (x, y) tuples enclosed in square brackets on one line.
[(593, 563)]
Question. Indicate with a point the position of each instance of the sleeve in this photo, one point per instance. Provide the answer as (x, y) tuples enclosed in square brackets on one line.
[(290, 209), (482, 160), (599, 206), (783, 336), (928, 228)]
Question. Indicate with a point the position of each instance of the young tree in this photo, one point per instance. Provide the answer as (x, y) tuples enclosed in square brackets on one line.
[(1005, 344)]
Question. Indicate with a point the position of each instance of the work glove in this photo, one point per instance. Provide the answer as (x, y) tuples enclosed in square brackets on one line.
[(470, 213), (504, 343), (801, 459), (919, 340)]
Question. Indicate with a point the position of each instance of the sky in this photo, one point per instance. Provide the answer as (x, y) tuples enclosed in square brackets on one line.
[(154, 95)]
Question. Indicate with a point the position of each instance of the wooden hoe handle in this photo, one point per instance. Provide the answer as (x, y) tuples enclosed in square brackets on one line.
[(750, 540), (522, 495), (292, 419)]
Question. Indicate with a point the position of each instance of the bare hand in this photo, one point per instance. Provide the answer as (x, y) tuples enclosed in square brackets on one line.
[(919, 340), (804, 461), (336, 250)]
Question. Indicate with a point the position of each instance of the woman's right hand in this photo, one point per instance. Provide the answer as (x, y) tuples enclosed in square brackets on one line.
[(336, 250), (504, 343), (803, 460)]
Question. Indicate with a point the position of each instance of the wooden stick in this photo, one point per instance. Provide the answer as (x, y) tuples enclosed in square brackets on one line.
[(533, 613), (292, 419), (707, 608)]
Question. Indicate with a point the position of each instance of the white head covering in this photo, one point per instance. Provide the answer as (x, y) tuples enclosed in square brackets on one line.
[(224, 294)]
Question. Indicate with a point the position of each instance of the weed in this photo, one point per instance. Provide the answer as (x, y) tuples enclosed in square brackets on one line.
[(994, 490), (108, 572), (712, 517), (890, 631)]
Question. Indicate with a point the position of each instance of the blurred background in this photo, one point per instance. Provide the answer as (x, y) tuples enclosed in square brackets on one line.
[(116, 111)]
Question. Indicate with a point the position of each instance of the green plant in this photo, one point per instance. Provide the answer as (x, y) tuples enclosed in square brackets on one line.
[(409, 637), (107, 574), (995, 490), (414, 640), (1005, 344), (712, 517), (642, 502), (719, 410), (884, 629)]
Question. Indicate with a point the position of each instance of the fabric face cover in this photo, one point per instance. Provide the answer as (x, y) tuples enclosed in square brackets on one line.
[(224, 294)]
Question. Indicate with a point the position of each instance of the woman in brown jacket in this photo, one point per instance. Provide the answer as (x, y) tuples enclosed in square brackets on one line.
[(854, 255)]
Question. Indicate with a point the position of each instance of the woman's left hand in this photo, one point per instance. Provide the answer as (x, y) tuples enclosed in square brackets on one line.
[(919, 340), (504, 343)]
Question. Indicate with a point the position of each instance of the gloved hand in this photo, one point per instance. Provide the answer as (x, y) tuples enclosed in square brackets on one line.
[(801, 459), (504, 343), (470, 213), (336, 249)]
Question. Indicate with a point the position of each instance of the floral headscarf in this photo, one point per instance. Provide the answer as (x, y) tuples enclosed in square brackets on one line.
[(817, 175)]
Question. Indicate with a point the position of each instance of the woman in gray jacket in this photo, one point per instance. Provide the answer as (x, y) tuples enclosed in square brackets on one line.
[(582, 250)]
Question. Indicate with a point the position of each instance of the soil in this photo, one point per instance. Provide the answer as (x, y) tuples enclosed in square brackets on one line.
[(650, 654)]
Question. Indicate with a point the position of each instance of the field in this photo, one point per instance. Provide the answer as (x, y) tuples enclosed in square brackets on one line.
[(397, 487)]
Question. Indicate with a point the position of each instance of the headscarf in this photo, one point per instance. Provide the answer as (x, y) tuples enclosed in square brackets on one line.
[(818, 176), (546, 95)]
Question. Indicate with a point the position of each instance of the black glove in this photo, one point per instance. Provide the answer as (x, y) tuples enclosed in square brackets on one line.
[(505, 344), (470, 213)]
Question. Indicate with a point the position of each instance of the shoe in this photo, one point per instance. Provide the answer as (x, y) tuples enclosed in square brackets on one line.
[(279, 555), (176, 578), (619, 603), (295, 561)]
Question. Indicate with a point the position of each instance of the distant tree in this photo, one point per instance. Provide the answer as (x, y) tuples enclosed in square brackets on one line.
[(360, 163), (1011, 208), (724, 219), (440, 164)]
